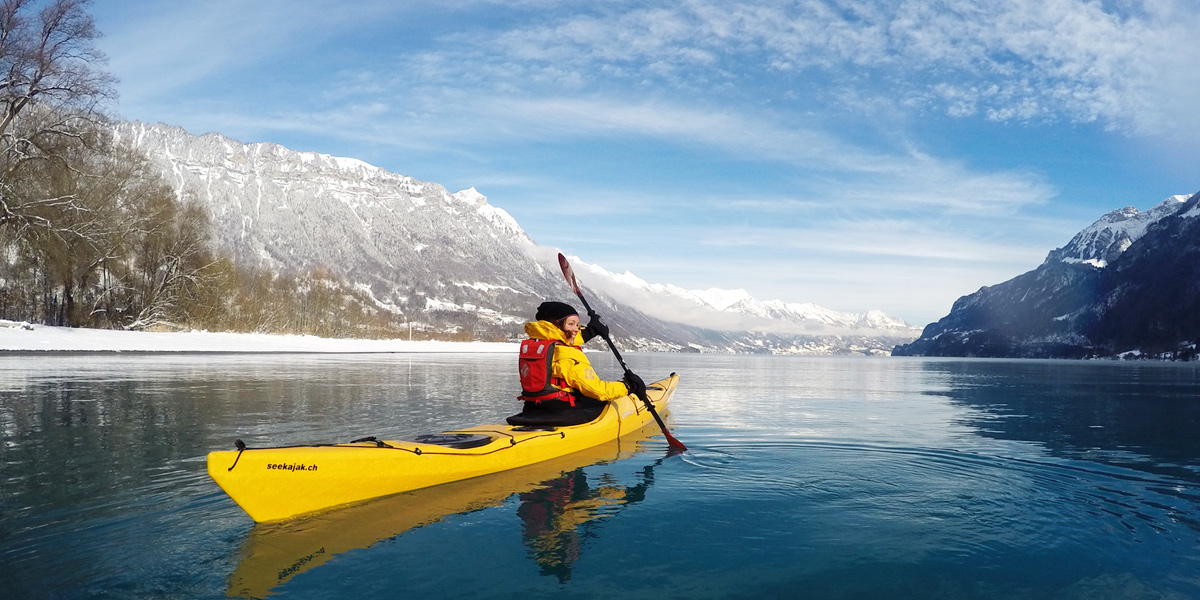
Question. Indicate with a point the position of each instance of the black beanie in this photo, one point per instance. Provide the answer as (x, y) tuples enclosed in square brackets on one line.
[(554, 311)]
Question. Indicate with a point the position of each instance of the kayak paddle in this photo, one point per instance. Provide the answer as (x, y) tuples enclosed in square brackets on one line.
[(570, 275)]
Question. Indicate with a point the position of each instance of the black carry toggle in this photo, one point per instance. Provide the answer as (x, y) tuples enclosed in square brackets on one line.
[(241, 447)]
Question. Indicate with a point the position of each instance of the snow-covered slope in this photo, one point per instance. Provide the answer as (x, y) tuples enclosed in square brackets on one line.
[(1101, 242)]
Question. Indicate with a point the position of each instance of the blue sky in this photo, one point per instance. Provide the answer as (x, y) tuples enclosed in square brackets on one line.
[(858, 154)]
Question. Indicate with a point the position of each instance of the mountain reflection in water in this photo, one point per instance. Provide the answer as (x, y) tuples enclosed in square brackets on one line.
[(1142, 416)]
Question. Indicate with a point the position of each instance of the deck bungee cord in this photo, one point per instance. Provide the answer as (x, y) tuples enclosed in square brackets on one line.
[(380, 444)]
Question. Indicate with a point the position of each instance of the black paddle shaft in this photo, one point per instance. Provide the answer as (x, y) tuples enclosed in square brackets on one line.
[(617, 353), (569, 274)]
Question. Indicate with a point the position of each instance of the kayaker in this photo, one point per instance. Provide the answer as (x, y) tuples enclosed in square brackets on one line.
[(569, 392)]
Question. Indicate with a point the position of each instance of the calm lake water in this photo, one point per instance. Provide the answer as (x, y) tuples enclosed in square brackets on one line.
[(806, 478)]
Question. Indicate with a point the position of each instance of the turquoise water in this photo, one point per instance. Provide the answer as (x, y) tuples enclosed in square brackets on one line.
[(805, 478)]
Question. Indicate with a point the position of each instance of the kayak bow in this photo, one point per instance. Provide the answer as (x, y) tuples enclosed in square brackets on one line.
[(271, 484)]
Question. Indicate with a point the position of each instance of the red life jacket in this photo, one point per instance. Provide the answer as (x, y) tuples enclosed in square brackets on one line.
[(536, 366)]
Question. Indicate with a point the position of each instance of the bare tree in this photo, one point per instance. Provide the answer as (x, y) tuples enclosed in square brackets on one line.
[(172, 261), (128, 253), (50, 96), (74, 208)]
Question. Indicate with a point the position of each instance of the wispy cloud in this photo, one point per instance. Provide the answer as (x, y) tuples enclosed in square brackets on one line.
[(1022, 60), (1025, 59), (903, 179), (174, 47), (1124, 64), (880, 239)]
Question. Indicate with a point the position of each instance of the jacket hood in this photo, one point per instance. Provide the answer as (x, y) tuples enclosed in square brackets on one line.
[(545, 330)]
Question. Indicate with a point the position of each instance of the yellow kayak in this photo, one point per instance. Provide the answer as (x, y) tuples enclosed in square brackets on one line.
[(274, 553), (271, 484)]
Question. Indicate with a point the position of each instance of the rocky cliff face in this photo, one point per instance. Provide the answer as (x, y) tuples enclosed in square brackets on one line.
[(418, 248), (1128, 285)]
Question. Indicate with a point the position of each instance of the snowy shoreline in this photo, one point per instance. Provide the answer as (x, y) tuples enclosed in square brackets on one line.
[(20, 337)]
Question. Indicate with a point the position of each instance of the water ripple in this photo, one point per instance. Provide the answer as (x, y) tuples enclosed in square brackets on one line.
[(982, 502)]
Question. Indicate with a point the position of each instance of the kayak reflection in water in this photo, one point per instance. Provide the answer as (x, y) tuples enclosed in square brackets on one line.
[(556, 518), (559, 385)]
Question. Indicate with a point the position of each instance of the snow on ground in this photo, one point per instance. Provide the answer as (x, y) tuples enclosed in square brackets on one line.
[(22, 337)]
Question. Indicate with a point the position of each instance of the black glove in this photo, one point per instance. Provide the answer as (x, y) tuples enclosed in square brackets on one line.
[(595, 327), (636, 386)]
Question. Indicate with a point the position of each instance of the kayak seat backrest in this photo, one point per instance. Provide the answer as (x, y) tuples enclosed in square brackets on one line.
[(575, 416)]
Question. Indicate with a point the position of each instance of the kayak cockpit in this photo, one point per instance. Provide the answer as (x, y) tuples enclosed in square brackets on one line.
[(460, 441)]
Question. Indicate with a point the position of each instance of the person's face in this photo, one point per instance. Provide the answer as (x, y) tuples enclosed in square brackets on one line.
[(571, 326)]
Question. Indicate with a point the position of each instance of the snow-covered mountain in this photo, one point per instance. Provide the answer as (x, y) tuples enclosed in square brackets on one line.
[(755, 314), (452, 260), (1127, 285), (419, 250)]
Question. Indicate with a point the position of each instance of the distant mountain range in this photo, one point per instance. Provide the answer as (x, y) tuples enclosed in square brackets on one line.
[(453, 262), (1126, 286)]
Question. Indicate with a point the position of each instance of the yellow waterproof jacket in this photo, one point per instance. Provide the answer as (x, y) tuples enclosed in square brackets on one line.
[(572, 366)]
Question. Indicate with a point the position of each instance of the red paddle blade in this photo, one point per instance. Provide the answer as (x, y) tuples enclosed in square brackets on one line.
[(569, 274), (672, 442)]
